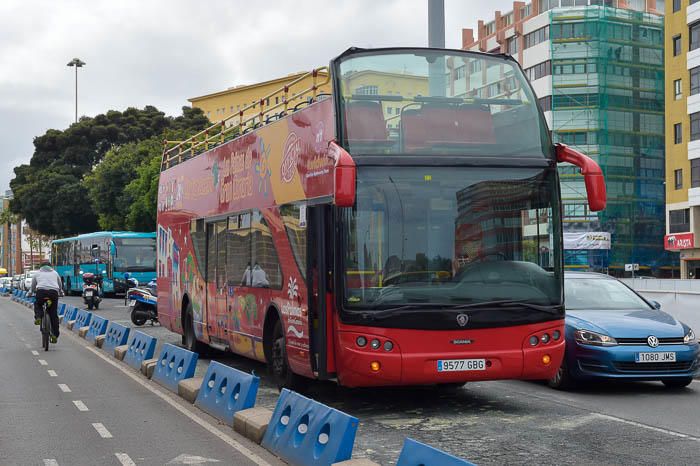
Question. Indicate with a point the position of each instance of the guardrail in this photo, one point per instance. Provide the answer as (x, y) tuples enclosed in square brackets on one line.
[(671, 285)]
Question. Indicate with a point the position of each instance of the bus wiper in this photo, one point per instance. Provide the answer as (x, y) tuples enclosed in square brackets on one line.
[(405, 309), (551, 308)]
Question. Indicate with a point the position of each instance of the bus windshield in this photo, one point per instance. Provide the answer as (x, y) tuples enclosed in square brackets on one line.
[(135, 255), (452, 236), (426, 101)]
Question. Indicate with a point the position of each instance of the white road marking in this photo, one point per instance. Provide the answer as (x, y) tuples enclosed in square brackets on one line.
[(52, 373), (64, 388), (35, 352), (102, 430), (50, 462), (192, 459), (192, 416), (124, 459), (43, 362), (648, 427), (81, 406)]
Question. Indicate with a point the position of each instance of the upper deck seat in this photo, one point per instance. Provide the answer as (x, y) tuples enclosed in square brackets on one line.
[(444, 125), (364, 122)]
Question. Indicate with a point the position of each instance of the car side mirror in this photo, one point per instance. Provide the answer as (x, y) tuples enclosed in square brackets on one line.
[(656, 304)]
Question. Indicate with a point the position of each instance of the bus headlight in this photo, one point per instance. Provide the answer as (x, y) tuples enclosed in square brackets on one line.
[(586, 337)]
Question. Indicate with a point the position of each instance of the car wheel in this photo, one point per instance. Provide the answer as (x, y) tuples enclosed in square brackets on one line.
[(562, 379), (279, 364), (189, 339), (677, 383)]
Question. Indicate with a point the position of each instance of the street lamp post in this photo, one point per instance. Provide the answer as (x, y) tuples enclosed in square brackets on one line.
[(77, 63)]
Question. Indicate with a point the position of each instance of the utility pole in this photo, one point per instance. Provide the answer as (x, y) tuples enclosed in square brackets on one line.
[(77, 63), (436, 39)]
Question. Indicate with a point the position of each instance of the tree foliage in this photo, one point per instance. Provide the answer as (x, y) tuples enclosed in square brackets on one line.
[(75, 181)]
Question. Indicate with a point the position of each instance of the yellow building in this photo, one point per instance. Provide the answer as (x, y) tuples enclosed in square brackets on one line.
[(223, 104), (682, 95)]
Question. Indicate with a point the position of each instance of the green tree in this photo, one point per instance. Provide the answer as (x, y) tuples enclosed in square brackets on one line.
[(143, 193)]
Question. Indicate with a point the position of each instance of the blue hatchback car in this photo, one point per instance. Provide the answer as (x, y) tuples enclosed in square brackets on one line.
[(612, 332)]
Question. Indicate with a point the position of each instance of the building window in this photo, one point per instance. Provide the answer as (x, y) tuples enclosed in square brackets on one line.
[(367, 90), (679, 221), (694, 30), (545, 103), (695, 126), (536, 37), (539, 71), (695, 80), (512, 46), (695, 173), (676, 5), (677, 133), (677, 90), (677, 45), (678, 178)]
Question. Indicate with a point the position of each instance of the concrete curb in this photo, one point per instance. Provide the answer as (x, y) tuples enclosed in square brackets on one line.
[(357, 462), (252, 423), (120, 351), (70, 325), (82, 331), (148, 366), (189, 388), (99, 340)]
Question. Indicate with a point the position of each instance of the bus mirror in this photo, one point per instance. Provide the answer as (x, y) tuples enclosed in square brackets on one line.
[(592, 175), (344, 177)]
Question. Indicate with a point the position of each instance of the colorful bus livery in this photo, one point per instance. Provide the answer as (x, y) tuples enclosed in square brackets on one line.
[(113, 254), (404, 230)]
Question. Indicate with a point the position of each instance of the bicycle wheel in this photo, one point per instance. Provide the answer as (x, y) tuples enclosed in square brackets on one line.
[(45, 330)]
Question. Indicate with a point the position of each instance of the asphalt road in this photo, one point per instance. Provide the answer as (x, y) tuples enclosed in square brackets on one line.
[(500, 422), (72, 406)]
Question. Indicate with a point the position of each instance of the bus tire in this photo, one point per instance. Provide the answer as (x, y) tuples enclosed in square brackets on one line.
[(279, 363), (188, 338)]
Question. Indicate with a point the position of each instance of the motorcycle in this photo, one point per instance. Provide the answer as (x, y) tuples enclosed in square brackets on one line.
[(92, 284), (143, 301)]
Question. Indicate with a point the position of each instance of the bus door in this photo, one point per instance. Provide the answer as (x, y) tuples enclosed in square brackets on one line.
[(216, 316), (319, 283)]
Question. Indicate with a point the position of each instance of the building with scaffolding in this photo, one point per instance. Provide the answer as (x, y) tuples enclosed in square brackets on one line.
[(597, 67)]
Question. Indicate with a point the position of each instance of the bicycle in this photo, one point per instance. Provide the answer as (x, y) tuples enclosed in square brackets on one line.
[(45, 326)]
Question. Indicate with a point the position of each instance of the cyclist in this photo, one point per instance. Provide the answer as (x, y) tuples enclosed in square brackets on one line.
[(47, 284)]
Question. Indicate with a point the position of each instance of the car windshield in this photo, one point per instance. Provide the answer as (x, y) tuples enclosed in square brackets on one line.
[(600, 294), (438, 102), (135, 255), (452, 236)]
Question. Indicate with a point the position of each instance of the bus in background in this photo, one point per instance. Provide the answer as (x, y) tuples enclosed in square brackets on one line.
[(404, 230), (110, 253)]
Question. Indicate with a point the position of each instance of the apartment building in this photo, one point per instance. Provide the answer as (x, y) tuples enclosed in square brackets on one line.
[(597, 67), (682, 24)]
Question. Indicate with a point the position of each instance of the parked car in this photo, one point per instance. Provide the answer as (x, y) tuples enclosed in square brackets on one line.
[(5, 282), (15, 281), (28, 279), (612, 332), (21, 282)]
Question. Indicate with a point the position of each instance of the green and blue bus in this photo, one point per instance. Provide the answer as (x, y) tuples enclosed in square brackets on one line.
[(110, 253)]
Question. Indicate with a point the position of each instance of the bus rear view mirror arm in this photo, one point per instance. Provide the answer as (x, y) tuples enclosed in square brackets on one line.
[(592, 175), (344, 177)]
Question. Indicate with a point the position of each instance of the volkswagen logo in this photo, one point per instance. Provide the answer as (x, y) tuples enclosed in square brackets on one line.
[(652, 341), (462, 319)]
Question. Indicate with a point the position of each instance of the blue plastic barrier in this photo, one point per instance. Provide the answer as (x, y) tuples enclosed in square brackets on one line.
[(305, 432), (225, 391), (82, 319), (141, 346), (98, 326), (419, 454), (174, 364), (61, 309), (69, 314), (116, 335)]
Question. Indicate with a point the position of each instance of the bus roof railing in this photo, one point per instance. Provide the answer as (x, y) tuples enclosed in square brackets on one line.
[(248, 118)]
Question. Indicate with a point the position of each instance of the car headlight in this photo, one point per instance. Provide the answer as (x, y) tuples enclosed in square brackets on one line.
[(689, 337), (586, 337)]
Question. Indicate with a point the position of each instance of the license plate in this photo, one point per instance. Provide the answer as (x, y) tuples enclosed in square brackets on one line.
[(88, 293), (131, 303), (455, 365), (656, 357)]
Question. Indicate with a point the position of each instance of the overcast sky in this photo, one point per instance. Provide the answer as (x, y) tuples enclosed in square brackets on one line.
[(160, 52)]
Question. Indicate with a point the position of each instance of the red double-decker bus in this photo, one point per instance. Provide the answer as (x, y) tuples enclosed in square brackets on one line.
[(405, 229)]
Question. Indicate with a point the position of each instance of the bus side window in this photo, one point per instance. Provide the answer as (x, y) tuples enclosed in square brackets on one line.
[(237, 249), (199, 243)]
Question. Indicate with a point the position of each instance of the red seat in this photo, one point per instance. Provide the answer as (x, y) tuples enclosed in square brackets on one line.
[(437, 124), (364, 122)]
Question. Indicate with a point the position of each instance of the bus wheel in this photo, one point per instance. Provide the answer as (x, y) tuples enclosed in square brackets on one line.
[(279, 364), (189, 339)]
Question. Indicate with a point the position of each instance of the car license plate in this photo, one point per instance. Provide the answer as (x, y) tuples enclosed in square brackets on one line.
[(454, 365), (656, 357)]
